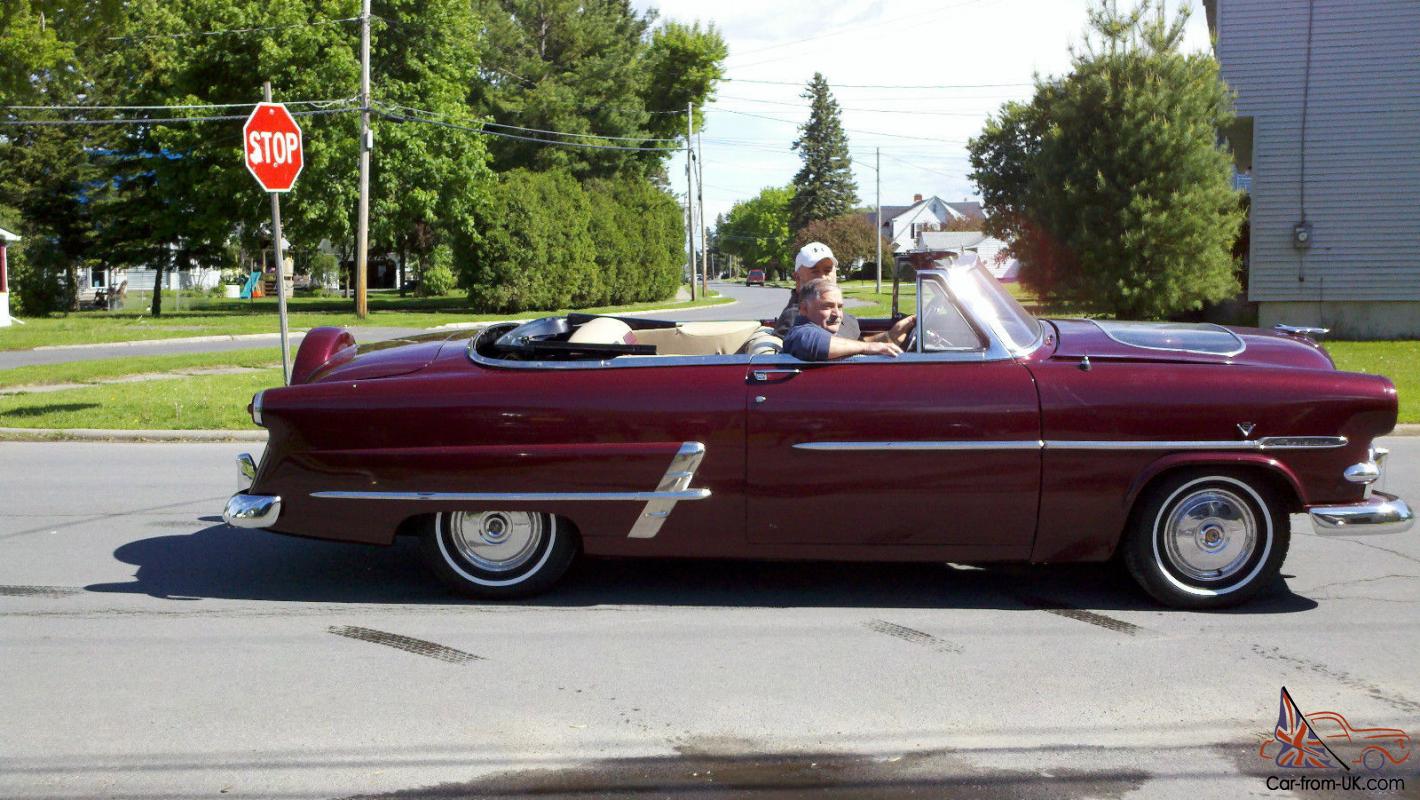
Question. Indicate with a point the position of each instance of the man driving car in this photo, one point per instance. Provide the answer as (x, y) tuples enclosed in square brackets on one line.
[(817, 335)]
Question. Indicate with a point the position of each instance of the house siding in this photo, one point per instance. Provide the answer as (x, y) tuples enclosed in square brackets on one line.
[(1362, 142)]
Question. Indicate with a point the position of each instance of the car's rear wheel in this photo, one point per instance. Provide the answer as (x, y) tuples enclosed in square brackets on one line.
[(1206, 539), (498, 554)]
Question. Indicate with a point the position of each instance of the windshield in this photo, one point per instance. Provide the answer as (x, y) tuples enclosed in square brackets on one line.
[(995, 306)]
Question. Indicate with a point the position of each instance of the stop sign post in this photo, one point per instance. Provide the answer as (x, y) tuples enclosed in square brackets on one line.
[(272, 143)]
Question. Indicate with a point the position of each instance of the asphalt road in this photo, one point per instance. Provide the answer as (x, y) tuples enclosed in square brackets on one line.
[(147, 650)]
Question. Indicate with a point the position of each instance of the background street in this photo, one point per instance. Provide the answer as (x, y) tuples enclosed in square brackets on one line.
[(150, 651)]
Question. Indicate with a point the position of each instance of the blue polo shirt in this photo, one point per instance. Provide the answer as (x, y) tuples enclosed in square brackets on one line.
[(807, 341)]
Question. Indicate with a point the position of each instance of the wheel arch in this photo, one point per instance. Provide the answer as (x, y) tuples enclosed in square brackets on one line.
[(1281, 479)]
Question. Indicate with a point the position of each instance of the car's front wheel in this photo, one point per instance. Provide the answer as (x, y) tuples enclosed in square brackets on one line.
[(498, 554), (1206, 539)]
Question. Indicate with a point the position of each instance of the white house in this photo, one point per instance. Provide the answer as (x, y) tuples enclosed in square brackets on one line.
[(960, 247), (901, 224), (5, 238)]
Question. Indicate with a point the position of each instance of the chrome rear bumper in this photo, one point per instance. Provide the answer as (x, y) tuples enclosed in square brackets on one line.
[(252, 510), (1380, 513)]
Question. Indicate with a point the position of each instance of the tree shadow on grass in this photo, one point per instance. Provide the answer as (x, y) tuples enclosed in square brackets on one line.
[(233, 563), (40, 409)]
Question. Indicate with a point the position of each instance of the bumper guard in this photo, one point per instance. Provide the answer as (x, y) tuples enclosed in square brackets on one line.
[(252, 510), (1378, 514)]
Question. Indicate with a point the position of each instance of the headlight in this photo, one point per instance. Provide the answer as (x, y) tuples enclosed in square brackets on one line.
[(255, 407)]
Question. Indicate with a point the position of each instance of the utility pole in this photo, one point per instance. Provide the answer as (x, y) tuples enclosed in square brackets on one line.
[(367, 143), (700, 201), (878, 177), (689, 201), (277, 247)]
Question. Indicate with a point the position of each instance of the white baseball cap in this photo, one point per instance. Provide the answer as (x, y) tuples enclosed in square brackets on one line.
[(811, 254)]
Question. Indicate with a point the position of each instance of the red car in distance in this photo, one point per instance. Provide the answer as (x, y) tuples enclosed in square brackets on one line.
[(995, 436), (755, 277)]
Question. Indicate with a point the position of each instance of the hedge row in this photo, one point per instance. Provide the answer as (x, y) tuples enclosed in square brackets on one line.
[(551, 242)]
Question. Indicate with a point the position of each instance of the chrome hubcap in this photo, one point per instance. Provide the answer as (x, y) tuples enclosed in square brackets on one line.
[(1210, 535), (496, 541)]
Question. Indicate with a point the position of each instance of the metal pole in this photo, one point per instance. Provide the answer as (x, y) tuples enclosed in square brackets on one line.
[(878, 177), (689, 202), (276, 245), (367, 143), (700, 201)]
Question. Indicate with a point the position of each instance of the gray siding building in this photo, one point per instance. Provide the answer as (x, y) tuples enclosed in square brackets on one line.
[(1328, 135)]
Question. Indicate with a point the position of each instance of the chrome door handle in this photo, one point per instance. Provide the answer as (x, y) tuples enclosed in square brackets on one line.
[(763, 374)]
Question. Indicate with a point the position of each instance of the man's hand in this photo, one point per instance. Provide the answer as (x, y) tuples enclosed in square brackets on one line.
[(899, 330), (881, 349)]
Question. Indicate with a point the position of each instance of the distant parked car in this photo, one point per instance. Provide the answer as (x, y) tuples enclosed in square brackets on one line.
[(755, 277)]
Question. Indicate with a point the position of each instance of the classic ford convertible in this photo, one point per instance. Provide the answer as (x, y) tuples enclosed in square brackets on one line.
[(1180, 448)]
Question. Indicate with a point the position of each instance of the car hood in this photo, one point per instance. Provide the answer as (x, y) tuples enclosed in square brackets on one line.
[(1187, 343), (384, 359)]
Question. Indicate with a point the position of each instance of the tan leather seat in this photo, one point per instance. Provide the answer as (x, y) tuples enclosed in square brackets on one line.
[(604, 330), (763, 342), (699, 338)]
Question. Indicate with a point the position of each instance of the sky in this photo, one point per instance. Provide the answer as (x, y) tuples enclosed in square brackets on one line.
[(958, 61)]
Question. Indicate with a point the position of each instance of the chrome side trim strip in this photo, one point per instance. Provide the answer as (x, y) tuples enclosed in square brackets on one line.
[(1268, 443), (676, 479), (1378, 514), (1009, 444), (673, 488), (1255, 445), (519, 497)]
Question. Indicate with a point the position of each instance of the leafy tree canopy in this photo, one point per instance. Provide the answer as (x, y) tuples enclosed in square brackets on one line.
[(757, 230), (1110, 183), (849, 236)]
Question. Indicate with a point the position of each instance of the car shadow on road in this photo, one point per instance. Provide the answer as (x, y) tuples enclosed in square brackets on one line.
[(220, 562)]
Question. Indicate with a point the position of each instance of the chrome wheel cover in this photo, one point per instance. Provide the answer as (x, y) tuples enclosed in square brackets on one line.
[(1210, 535), (495, 541)]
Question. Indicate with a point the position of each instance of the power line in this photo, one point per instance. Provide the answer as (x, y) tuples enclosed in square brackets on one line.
[(855, 29), (161, 120), (852, 108), (176, 107), (402, 118), (887, 85), (849, 130), (228, 31), (924, 169), (435, 115)]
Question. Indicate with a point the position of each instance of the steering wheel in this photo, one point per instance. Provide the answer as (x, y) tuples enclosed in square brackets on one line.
[(935, 309)]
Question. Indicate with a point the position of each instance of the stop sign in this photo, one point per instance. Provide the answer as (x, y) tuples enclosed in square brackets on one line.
[(272, 141)]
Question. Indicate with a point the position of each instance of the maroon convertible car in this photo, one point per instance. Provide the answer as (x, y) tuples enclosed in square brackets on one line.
[(996, 437)]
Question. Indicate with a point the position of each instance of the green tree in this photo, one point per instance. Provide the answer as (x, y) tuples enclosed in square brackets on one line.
[(757, 230), (639, 234), (595, 69), (429, 182), (1110, 183), (535, 250), (849, 236), (824, 185)]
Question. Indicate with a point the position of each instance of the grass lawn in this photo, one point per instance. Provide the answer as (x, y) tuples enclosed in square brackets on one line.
[(97, 370), (1398, 360), (206, 316), (204, 402)]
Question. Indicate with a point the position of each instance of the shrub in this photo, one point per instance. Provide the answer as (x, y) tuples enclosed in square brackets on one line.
[(438, 278)]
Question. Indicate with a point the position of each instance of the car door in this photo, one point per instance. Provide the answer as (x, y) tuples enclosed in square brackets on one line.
[(931, 448)]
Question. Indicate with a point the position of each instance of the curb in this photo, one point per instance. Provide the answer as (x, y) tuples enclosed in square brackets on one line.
[(227, 337), (99, 435)]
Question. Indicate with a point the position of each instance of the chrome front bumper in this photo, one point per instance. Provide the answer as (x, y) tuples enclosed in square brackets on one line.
[(1380, 513), (252, 510)]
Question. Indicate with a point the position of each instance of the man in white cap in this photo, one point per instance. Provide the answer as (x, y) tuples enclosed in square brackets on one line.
[(814, 261)]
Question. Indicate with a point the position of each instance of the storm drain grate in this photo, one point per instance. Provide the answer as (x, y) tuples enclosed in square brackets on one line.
[(38, 591), (408, 644)]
